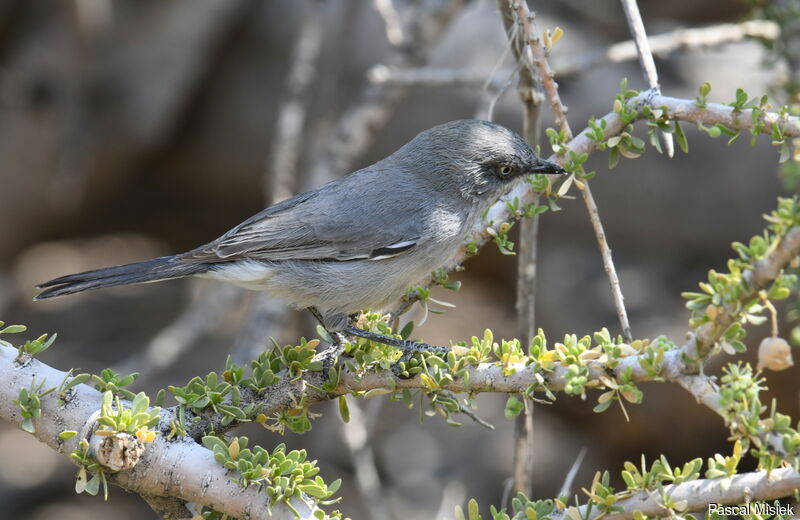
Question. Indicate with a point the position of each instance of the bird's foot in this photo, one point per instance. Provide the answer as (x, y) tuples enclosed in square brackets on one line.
[(331, 354), (408, 347)]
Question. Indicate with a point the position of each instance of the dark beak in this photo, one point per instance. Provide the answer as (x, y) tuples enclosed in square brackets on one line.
[(543, 166)]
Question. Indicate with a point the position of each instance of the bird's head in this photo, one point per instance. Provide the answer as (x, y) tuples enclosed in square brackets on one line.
[(478, 159)]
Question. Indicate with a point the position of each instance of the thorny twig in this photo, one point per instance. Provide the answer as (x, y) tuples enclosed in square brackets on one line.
[(559, 111)]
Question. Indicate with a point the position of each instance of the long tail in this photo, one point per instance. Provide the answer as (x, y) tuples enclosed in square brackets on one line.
[(163, 268)]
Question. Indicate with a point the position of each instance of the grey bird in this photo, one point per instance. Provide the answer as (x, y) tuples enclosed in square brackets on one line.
[(357, 242)]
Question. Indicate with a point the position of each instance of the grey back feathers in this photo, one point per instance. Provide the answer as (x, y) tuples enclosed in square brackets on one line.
[(358, 241)]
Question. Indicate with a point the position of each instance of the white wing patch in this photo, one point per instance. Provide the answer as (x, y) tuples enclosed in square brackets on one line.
[(393, 250)]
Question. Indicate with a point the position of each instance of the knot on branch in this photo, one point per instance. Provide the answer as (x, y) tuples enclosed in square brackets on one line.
[(119, 451)]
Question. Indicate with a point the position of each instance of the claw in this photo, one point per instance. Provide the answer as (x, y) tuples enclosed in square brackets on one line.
[(409, 348)]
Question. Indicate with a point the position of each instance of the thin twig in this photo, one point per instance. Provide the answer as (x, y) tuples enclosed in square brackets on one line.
[(391, 20), (472, 415), (646, 60), (566, 487), (559, 111)]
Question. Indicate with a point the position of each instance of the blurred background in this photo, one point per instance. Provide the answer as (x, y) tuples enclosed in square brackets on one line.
[(131, 129)]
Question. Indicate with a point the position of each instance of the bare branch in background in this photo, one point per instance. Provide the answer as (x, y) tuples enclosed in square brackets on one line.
[(567, 65), (391, 19), (356, 127), (280, 175), (431, 77), (668, 43), (211, 304), (566, 487), (532, 96)]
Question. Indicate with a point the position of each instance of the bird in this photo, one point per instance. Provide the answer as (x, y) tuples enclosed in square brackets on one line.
[(357, 242)]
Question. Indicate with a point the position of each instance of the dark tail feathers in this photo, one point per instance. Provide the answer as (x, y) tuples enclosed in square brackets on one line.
[(162, 268)]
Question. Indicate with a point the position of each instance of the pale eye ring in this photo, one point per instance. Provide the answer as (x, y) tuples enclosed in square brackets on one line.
[(505, 170)]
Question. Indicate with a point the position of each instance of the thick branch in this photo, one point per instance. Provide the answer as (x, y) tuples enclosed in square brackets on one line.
[(180, 469), (698, 494)]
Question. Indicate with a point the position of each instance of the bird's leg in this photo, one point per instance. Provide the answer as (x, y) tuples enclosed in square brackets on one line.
[(409, 348), (314, 312), (332, 353)]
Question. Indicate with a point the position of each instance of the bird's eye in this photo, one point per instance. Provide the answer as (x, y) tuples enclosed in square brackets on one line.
[(505, 170)]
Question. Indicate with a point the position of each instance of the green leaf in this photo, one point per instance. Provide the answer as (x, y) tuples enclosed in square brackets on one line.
[(67, 434), (406, 331), (786, 153), (613, 157), (215, 443), (323, 334), (27, 425), (93, 486), (344, 410), (513, 407), (602, 407), (472, 510), (681, 138), (13, 329), (314, 490)]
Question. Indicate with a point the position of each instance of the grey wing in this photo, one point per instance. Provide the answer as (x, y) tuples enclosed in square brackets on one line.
[(311, 226)]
